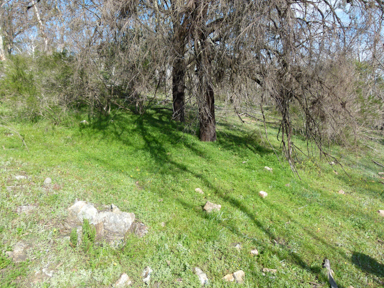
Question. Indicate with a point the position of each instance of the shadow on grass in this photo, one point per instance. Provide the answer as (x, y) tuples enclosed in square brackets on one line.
[(368, 264)]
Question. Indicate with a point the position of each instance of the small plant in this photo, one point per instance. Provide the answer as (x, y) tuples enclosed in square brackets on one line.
[(89, 235), (73, 238)]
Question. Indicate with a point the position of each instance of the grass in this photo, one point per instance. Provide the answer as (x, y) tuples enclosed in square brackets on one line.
[(147, 165)]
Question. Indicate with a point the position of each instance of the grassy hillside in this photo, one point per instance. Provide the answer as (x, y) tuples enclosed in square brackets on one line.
[(147, 165)]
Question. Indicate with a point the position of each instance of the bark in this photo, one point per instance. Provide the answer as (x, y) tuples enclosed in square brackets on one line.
[(206, 97), (41, 26), (207, 116), (178, 90), (2, 53)]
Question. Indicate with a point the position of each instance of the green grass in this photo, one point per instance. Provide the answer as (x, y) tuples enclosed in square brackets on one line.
[(148, 166)]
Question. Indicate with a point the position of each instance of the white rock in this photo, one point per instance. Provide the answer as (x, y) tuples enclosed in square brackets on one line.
[(123, 281), (263, 194), (381, 213), (147, 275), (254, 252), (229, 278), (20, 177), (47, 181), (238, 246), (198, 190), (202, 276), (209, 207), (89, 212), (239, 276), (115, 209), (341, 192), (117, 223), (25, 209), (269, 270), (267, 168), (47, 272)]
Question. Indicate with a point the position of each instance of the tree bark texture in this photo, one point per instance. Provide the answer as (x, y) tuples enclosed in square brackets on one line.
[(178, 90)]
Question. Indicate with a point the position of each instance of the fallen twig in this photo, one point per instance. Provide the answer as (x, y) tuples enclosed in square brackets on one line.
[(18, 134)]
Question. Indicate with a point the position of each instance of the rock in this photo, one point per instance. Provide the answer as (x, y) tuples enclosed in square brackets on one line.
[(147, 275), (47, 181), (198, 190), (341, 192), (254, 252), (381, 213), (332, 163), (47, 272), (381, 173), (99, 231), (20, 177), (115, 223), (139, 229), (268, 169), (202, 276), (269, 270), (229, 278), (239, 276), (162, 224), (263, 194), (123, 281), (84, 122), (209, 207), (25, 209), (115, 209), (19, 253), (238, 246)]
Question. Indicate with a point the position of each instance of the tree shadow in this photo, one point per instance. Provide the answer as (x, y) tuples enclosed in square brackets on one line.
[(368, 264)]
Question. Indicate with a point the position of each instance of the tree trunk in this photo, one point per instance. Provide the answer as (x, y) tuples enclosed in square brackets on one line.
[(207, 116), (178, 90), (2, 53)]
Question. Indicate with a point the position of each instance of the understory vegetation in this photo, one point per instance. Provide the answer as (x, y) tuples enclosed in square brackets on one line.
[(150, 166)]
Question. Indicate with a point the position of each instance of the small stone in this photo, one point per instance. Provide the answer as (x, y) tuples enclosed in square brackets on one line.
[(47, 181), (381, 213), (229, 278), (168, 262), (162, 224), (25, 209), (147, 275), (239, 276), (20, 177), (268, 169), (332, 163), (47, 272), (341, 192), (381, 173), (19, 253), (254, 252), (202, 276), (84, 122), (123, 281), (209, 207), (269, 270), (238, 246), (198, 190), (263, 194)]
